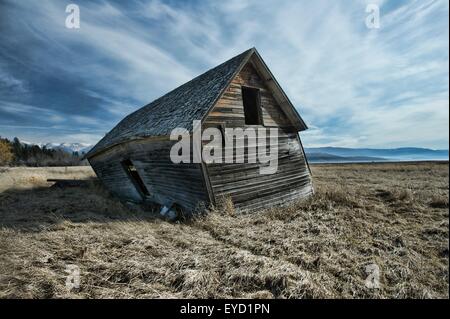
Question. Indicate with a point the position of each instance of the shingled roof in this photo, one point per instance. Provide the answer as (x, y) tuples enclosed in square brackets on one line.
[(178, 108)]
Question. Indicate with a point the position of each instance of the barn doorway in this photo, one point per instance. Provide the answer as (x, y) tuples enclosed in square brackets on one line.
[(135, 178)]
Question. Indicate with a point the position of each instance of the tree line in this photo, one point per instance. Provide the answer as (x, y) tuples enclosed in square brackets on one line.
[(15, 153)]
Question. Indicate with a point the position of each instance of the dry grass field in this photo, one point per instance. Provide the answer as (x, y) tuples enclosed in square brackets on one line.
[(391, 215)]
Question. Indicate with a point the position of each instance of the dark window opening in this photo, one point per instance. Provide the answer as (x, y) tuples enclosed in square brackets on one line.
[(252, 111), (135, 178)]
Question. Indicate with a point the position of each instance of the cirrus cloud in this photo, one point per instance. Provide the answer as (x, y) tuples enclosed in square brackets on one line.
[(354, 86)]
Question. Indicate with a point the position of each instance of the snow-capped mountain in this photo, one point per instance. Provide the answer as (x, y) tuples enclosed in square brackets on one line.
[(70, 147), (67, 147)]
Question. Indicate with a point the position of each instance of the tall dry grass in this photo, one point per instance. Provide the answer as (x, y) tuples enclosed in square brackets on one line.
[(391, 215)]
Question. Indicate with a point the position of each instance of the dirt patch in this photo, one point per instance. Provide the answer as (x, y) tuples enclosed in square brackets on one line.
[(31, 177)]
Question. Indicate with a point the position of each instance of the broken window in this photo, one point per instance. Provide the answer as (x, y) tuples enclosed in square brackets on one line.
[(135, 178), (251, 101)]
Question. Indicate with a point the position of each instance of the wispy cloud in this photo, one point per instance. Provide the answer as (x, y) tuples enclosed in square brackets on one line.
[(354, 86), (30, 111), (9, 82)]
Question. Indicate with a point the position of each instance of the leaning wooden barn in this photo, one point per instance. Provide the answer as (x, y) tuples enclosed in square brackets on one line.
[(133, 160)]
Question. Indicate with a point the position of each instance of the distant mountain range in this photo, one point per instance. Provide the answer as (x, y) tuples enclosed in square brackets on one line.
[(67, 147), (325, 157), (317, 154), (342, 154)]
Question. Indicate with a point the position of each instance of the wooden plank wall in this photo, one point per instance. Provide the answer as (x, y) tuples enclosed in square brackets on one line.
[(167, 182), (243, 182)]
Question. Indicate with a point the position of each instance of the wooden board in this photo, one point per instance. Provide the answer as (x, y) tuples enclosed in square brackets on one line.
[(243, 182), (166, 182)]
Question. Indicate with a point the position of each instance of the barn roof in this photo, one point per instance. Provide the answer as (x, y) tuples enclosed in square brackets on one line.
[(190, 101)]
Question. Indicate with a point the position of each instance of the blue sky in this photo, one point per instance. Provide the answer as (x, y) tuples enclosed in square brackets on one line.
[(354, 86)]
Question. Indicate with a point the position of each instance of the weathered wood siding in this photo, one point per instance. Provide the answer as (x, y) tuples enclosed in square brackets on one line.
[(243, 182), (166, 182)]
